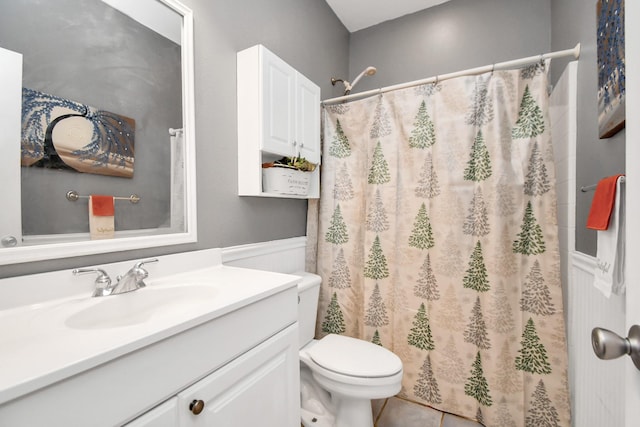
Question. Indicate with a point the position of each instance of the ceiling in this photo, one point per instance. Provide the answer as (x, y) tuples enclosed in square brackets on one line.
[(359, 14)]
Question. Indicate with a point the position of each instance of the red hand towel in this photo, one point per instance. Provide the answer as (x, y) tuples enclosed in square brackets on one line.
[(102, 205), (602, 204)]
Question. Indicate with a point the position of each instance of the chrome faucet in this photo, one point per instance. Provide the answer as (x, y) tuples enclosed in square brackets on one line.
[(134, 278), (103, 281)]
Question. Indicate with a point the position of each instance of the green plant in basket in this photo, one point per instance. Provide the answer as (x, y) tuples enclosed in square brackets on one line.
[(299, 163)]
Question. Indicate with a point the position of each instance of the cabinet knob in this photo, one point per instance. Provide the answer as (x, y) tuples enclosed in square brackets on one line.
[(8, 241), (196, 406)]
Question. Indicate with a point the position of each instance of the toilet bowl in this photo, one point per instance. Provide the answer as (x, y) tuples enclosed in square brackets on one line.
[(339, 375)]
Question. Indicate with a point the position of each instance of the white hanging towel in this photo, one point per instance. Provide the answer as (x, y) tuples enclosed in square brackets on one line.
[(609, 271)]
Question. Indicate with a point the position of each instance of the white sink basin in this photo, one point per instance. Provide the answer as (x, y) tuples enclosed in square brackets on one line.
[(139, 306)]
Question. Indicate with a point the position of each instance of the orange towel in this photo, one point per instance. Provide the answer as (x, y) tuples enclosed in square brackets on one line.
[(102, 205), (602, 204)]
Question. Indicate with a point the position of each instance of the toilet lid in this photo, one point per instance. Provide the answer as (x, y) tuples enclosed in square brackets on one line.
[(354, 357)]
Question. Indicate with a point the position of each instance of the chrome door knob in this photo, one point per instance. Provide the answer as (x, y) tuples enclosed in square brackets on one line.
[(609, 345)]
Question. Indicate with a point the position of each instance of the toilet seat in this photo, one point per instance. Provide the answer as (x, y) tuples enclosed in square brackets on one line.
[(354, 358), (346, 384)]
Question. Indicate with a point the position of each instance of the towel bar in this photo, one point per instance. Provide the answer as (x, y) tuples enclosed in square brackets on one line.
[(593, 187), (73, 195)]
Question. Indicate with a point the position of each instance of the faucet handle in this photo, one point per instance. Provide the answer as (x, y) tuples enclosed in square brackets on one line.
[(103, 277), (139, 273), (103, 281), (146, 261)]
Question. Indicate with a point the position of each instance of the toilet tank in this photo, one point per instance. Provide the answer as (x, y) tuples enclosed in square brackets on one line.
[(308, 292)]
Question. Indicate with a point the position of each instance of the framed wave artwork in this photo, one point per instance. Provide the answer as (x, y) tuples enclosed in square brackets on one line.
[(611, 67), (58, 133)]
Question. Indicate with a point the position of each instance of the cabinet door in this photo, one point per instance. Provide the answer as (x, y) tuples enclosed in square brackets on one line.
[(307, 141), (278, 105), (10, 123), (164, 415), (259, 388)]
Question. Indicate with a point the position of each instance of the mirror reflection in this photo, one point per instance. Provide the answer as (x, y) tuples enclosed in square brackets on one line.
[(102, 114)]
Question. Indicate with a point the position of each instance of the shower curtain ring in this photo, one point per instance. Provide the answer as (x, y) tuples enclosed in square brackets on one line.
[(437, 80)]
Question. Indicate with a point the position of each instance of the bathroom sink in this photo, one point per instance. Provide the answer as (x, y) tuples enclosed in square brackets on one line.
[(141, 306)]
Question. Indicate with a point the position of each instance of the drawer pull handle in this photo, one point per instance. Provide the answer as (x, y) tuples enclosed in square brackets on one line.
[(196, 406)]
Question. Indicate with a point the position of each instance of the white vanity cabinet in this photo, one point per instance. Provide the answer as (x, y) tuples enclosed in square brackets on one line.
[(258, 388), (164, 415), (240, 359), (278, 115)]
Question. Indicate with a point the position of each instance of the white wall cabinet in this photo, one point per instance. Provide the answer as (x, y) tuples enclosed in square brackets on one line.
[(278, 115)]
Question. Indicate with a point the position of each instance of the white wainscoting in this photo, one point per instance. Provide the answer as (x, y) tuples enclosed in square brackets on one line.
[(594, 382), (281, 256)]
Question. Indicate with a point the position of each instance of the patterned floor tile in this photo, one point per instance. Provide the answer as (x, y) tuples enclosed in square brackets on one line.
[(453, 421), (401, 413), (377, 406)]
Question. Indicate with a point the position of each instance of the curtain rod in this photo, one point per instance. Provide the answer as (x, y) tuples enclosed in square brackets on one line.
[(575, 52)]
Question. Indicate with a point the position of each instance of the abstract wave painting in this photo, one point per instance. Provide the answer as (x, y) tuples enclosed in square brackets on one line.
[(61, 134), (611, 67)]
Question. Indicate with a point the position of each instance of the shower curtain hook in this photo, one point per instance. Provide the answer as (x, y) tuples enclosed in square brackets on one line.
[(437, 80), (493, 67)]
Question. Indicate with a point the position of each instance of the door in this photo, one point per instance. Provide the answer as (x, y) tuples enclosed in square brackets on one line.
[(632, 158), (259, 388), (278, 104), (10, 119), (163, 415), (307, 119)]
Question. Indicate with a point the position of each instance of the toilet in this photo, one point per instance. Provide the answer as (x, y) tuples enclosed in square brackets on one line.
[(339, 375)]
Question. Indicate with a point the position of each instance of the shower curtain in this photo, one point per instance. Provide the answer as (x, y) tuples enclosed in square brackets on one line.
[(437, 239)]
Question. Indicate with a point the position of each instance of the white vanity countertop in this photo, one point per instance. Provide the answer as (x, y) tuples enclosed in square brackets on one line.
[(39, 348)]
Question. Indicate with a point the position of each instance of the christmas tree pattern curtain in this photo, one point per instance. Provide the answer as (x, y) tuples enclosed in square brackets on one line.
[(437, 239)]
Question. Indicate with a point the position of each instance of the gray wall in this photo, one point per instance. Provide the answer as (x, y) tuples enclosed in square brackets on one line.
[(450, 37), (574, 21), (307, 35), (88, 52), (454, 36)]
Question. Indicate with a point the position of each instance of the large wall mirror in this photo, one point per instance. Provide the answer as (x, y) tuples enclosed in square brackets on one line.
[(97, 100)]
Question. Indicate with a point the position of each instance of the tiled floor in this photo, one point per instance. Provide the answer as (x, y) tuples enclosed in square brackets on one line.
[(395, 412)]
